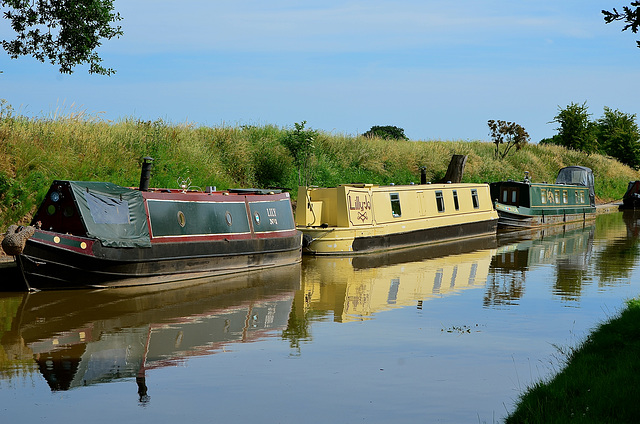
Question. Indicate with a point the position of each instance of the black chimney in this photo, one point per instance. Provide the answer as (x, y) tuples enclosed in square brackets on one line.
[(145, 174)]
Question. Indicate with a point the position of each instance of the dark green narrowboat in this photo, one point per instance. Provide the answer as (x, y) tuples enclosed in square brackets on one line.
[(525, 204), (97, 234)]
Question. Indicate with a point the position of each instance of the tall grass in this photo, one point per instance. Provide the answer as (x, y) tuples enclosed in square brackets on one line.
[(76, 146)]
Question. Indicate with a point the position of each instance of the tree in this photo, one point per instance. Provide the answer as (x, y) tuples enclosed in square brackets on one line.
[(630, 16), (619, 136), (507, 132), (300, 143), (63, 32), (576, 130), (387, 132)]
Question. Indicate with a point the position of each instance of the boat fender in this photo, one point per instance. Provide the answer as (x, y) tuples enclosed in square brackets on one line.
[(15, 238), (306, 240)]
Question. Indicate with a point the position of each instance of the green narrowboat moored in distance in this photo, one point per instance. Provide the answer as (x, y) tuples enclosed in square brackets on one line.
[(525, 204)]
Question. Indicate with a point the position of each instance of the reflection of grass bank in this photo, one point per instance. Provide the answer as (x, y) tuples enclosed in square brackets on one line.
[(600, 382)]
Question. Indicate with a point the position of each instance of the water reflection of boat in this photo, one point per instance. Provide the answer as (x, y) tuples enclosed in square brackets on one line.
[(522, 249), (569, 248), (79, 338), (354, 288), (631, 218)]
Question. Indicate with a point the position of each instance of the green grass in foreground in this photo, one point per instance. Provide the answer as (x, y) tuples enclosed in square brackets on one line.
[(600, 383)]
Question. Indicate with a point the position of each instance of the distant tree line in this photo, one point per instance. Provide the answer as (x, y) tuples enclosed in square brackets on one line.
[(387, 132), (615, 134)]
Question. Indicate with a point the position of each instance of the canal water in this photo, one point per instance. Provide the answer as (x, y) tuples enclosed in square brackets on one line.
[(447, 334)]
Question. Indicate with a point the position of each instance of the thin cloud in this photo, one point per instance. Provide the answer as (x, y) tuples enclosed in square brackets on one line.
[(158, 26)]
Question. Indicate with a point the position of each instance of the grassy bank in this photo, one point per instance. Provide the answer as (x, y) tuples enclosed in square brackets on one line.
[(599, 383), (33, 152)]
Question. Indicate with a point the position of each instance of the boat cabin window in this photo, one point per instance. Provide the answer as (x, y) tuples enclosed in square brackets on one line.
[(582, 197), (455, 200), (543, 196), (440, 201), (510, 196), (395, 204), (565, 197), (557, 196), (474, 198)]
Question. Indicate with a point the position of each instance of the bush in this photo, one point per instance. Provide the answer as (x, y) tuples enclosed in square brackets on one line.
[(387, 132)]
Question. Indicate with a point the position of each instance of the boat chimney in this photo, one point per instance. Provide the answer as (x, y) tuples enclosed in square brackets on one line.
[(145, 174), (423, 175)]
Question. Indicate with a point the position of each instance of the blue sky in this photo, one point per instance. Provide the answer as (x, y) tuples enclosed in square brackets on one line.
[(439, 69)]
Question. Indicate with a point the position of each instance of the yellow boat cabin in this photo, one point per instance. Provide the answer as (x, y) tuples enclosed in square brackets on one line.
[(361, 218)]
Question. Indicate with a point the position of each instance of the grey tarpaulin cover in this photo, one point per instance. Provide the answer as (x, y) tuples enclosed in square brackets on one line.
[(113, 214), (576, 175)]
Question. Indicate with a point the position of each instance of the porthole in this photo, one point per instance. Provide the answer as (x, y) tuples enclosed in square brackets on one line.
[(227, 216), (181, 219), (256, 217), (51, 209)]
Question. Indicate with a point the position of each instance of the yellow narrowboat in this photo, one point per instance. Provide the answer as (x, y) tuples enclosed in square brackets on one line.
[(362, 218)]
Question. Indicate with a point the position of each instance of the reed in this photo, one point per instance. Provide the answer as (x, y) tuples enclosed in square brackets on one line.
[(75, 146)]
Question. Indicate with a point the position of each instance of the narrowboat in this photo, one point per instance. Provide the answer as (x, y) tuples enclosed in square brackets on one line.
[(525, 204), (97, 234), (631, 198), (363, 218)]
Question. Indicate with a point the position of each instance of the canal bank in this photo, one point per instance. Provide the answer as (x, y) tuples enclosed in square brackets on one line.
[(598, 383), (608, 207)]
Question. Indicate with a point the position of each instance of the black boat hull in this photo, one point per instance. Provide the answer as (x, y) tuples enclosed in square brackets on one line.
[(45, 266)]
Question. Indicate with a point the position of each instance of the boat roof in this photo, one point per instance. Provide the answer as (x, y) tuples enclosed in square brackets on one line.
[(576, 175), (113, 214)]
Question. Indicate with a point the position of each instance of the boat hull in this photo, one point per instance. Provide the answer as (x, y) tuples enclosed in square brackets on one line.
[(346, 242), (631, 199), (511, 217), (47, 264)]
